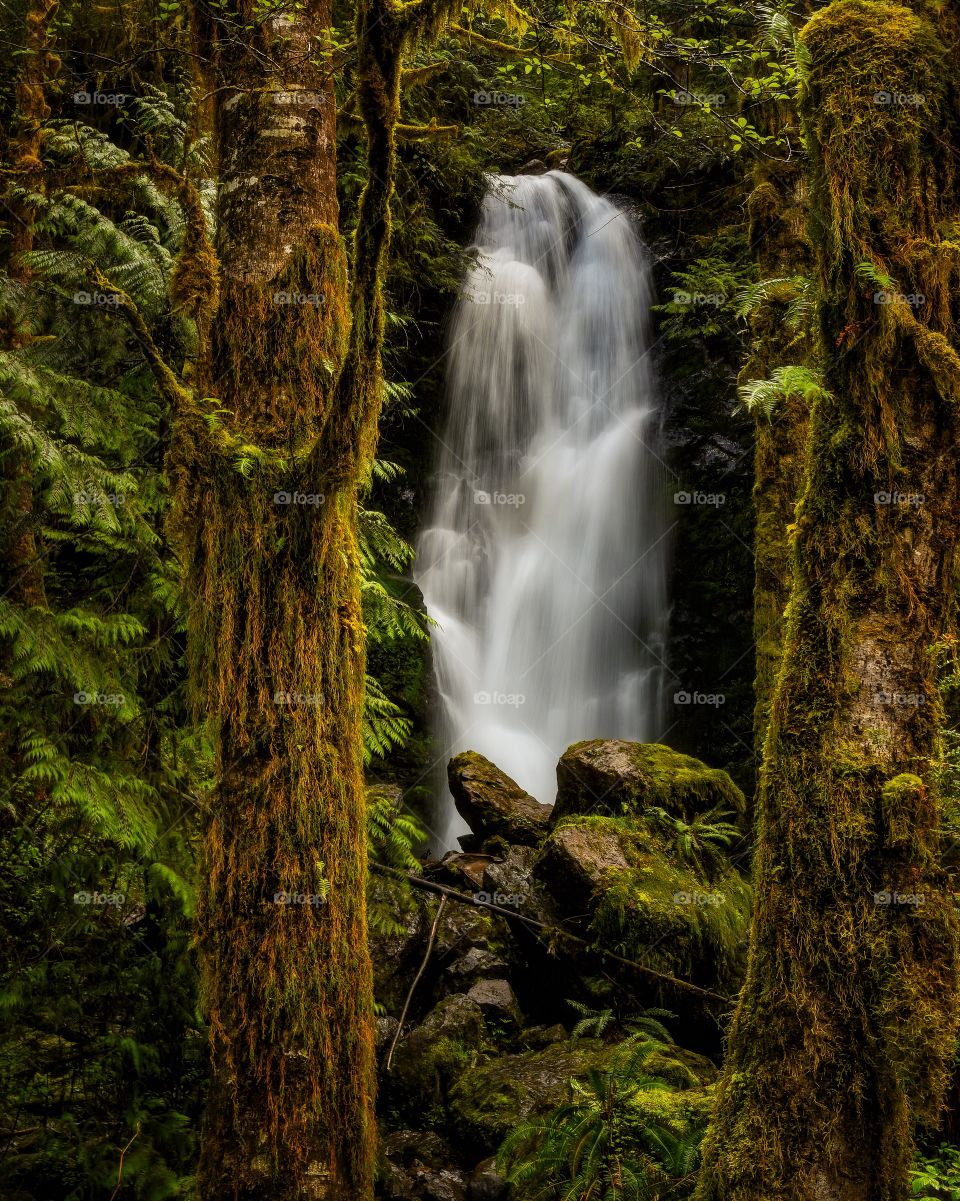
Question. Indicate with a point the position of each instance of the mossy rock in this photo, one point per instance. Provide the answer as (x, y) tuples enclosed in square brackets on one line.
[(681, 1111), (429, 1058), (487, 1101), (493, 805), (613, 777), (637, 897)]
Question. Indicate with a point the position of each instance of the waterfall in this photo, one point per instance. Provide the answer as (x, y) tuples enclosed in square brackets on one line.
[(544, 559)]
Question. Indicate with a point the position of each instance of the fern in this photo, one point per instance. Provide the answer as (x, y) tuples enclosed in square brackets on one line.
[(763, 395)]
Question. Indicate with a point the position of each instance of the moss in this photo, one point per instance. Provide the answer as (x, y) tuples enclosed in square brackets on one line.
[(845, 1028), (489, 1100), (681, 1112), (668, 916), (628, 777)]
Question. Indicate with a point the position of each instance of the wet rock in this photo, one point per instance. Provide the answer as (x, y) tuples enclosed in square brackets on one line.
[(486, 1183), (386, 1029), (396, 953), (614, 777), (509, 881), (477, 964), (534, 166), (488, 1101), (496, 1000), (421, 1167), (494, 805), (535, 1038), (431, 1056), (575, 864)]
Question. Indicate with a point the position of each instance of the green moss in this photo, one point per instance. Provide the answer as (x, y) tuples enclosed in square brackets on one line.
[(488, 1101), (628, 777), (845, 1029), (665, 913)]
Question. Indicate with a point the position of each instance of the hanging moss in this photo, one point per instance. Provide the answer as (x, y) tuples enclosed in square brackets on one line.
[(846, 1025)]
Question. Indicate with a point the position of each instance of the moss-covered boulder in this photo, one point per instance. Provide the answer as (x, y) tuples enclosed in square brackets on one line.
[(493, 805), (633, 891), (575, 864), (431, 1057), (488, 1100), (613, 777)]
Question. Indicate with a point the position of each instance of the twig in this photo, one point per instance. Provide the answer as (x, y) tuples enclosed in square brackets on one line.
[(464, 899), (136, 1135), (416, 980)]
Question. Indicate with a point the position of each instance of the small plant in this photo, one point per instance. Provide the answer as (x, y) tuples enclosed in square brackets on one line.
[(597, 1146), (700, 843), (936, 1176)]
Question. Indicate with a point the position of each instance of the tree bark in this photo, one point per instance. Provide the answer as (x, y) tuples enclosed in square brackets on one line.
[(277, 641), (846, 1025)]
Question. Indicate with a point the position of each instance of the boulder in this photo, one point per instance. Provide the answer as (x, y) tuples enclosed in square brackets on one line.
[(632, 892), (612, 777), (488, 1100), (575, 863), (431, 1056), (508, 881), (420, 1166), (477, 963), (492, 804), (486, 1183), (496, 999)]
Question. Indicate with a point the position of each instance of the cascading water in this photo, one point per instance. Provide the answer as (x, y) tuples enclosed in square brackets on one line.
[(544, 562)]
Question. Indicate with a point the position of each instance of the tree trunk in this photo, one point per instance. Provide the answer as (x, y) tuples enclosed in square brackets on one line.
[(277, 643), (777, 210), (846, 1024)]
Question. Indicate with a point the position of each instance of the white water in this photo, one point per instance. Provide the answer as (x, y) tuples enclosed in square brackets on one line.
[(550, 594)]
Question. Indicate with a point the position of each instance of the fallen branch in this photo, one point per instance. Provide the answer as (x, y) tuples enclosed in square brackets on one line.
[(416, 981), (444, 890)]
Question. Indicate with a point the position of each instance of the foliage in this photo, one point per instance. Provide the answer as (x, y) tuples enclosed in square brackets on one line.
[(597, 1145), (935, 1175)]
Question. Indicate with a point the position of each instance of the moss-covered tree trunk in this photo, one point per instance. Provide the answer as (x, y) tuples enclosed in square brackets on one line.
[(846, 1024), (277, 641), (777, 210)]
